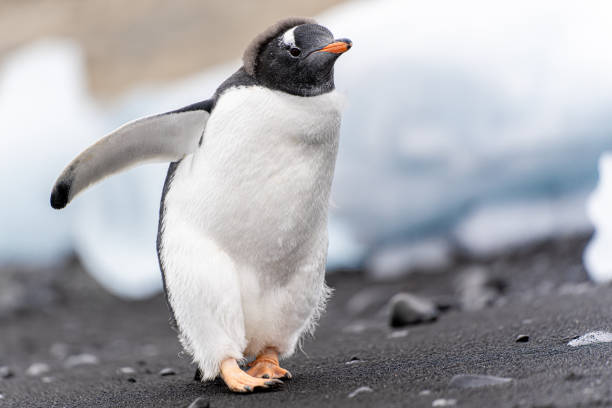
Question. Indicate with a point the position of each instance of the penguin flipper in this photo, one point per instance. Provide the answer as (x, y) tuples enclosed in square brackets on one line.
[(158, 138)]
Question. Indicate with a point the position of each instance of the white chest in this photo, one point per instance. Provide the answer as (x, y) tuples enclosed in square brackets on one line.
[(259, 184)]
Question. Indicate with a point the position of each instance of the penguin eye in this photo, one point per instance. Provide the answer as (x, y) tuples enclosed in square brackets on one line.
[(295, 52)]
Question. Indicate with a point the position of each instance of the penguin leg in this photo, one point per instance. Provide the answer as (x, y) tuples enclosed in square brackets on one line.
[(266, 366), (239, 381), (204, 292)]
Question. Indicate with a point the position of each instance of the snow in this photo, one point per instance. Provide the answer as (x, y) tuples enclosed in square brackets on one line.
[(591, 338), (475, 125), (598, 254)]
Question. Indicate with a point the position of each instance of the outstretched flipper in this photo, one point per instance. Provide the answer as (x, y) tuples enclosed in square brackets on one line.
[(165, 137)]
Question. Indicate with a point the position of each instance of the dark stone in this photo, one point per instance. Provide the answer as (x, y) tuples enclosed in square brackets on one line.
[(131, 379), (6, 372), (408, 309), (573, 377), (198, 375), (167, 371), (199, 402), (477, 289), (522, 338)]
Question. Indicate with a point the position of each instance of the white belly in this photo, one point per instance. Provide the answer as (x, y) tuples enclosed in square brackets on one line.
[(259, 184)]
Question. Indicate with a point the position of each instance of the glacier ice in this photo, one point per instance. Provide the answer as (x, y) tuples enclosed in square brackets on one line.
[(598, 253)]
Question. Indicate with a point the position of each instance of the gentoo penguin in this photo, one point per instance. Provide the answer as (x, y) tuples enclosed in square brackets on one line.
[(242, 240)]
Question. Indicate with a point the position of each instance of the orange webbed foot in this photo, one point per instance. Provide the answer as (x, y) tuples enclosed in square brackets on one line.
[(239, 381), (266, 366)]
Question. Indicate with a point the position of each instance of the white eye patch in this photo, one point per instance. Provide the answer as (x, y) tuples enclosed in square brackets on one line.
[(289, 38)]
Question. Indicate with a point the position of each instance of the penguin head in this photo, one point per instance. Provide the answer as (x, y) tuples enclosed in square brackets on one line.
[(296, 56)]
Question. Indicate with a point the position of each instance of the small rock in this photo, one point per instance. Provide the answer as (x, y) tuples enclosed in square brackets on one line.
[(474, 381), (354, 360), (442, 402), (81, 359), (1, 396), (477, 289), (47, 379), (359, 391), (131, 379), (37, 369), (522, 338), (6, 372), (573, 377), (407, 309), (396, 334), (167, 371), (199, 402), (126, 370), (425, 393)]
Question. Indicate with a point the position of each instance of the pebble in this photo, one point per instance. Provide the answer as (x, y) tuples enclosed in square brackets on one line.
[(408, 309), (522, 338), (354, 360), (47, 379), (167, 371), (81, 359), (573, 377), (424, 393), (126, 370), (131, 379), (474, 381), (477, 289), (441, 402), (199, 402), (359, 391), (6, 372), (396, 334), (37, 369), (1, 396)]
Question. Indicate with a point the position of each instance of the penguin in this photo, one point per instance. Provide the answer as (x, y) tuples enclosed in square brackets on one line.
[(242, 237)]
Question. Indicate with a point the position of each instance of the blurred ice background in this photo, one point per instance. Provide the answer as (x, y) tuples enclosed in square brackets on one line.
[(471, 126)]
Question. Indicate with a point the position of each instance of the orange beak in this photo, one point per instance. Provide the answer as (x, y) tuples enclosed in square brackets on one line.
[(337, 47)]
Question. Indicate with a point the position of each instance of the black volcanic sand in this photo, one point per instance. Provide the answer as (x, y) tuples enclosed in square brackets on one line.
[(546, 297)]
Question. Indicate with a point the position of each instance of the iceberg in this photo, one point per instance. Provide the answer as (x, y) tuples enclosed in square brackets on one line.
[(598, 253)]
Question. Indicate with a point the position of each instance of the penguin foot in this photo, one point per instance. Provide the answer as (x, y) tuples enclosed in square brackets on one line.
[(239, 381), (266, 366)]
